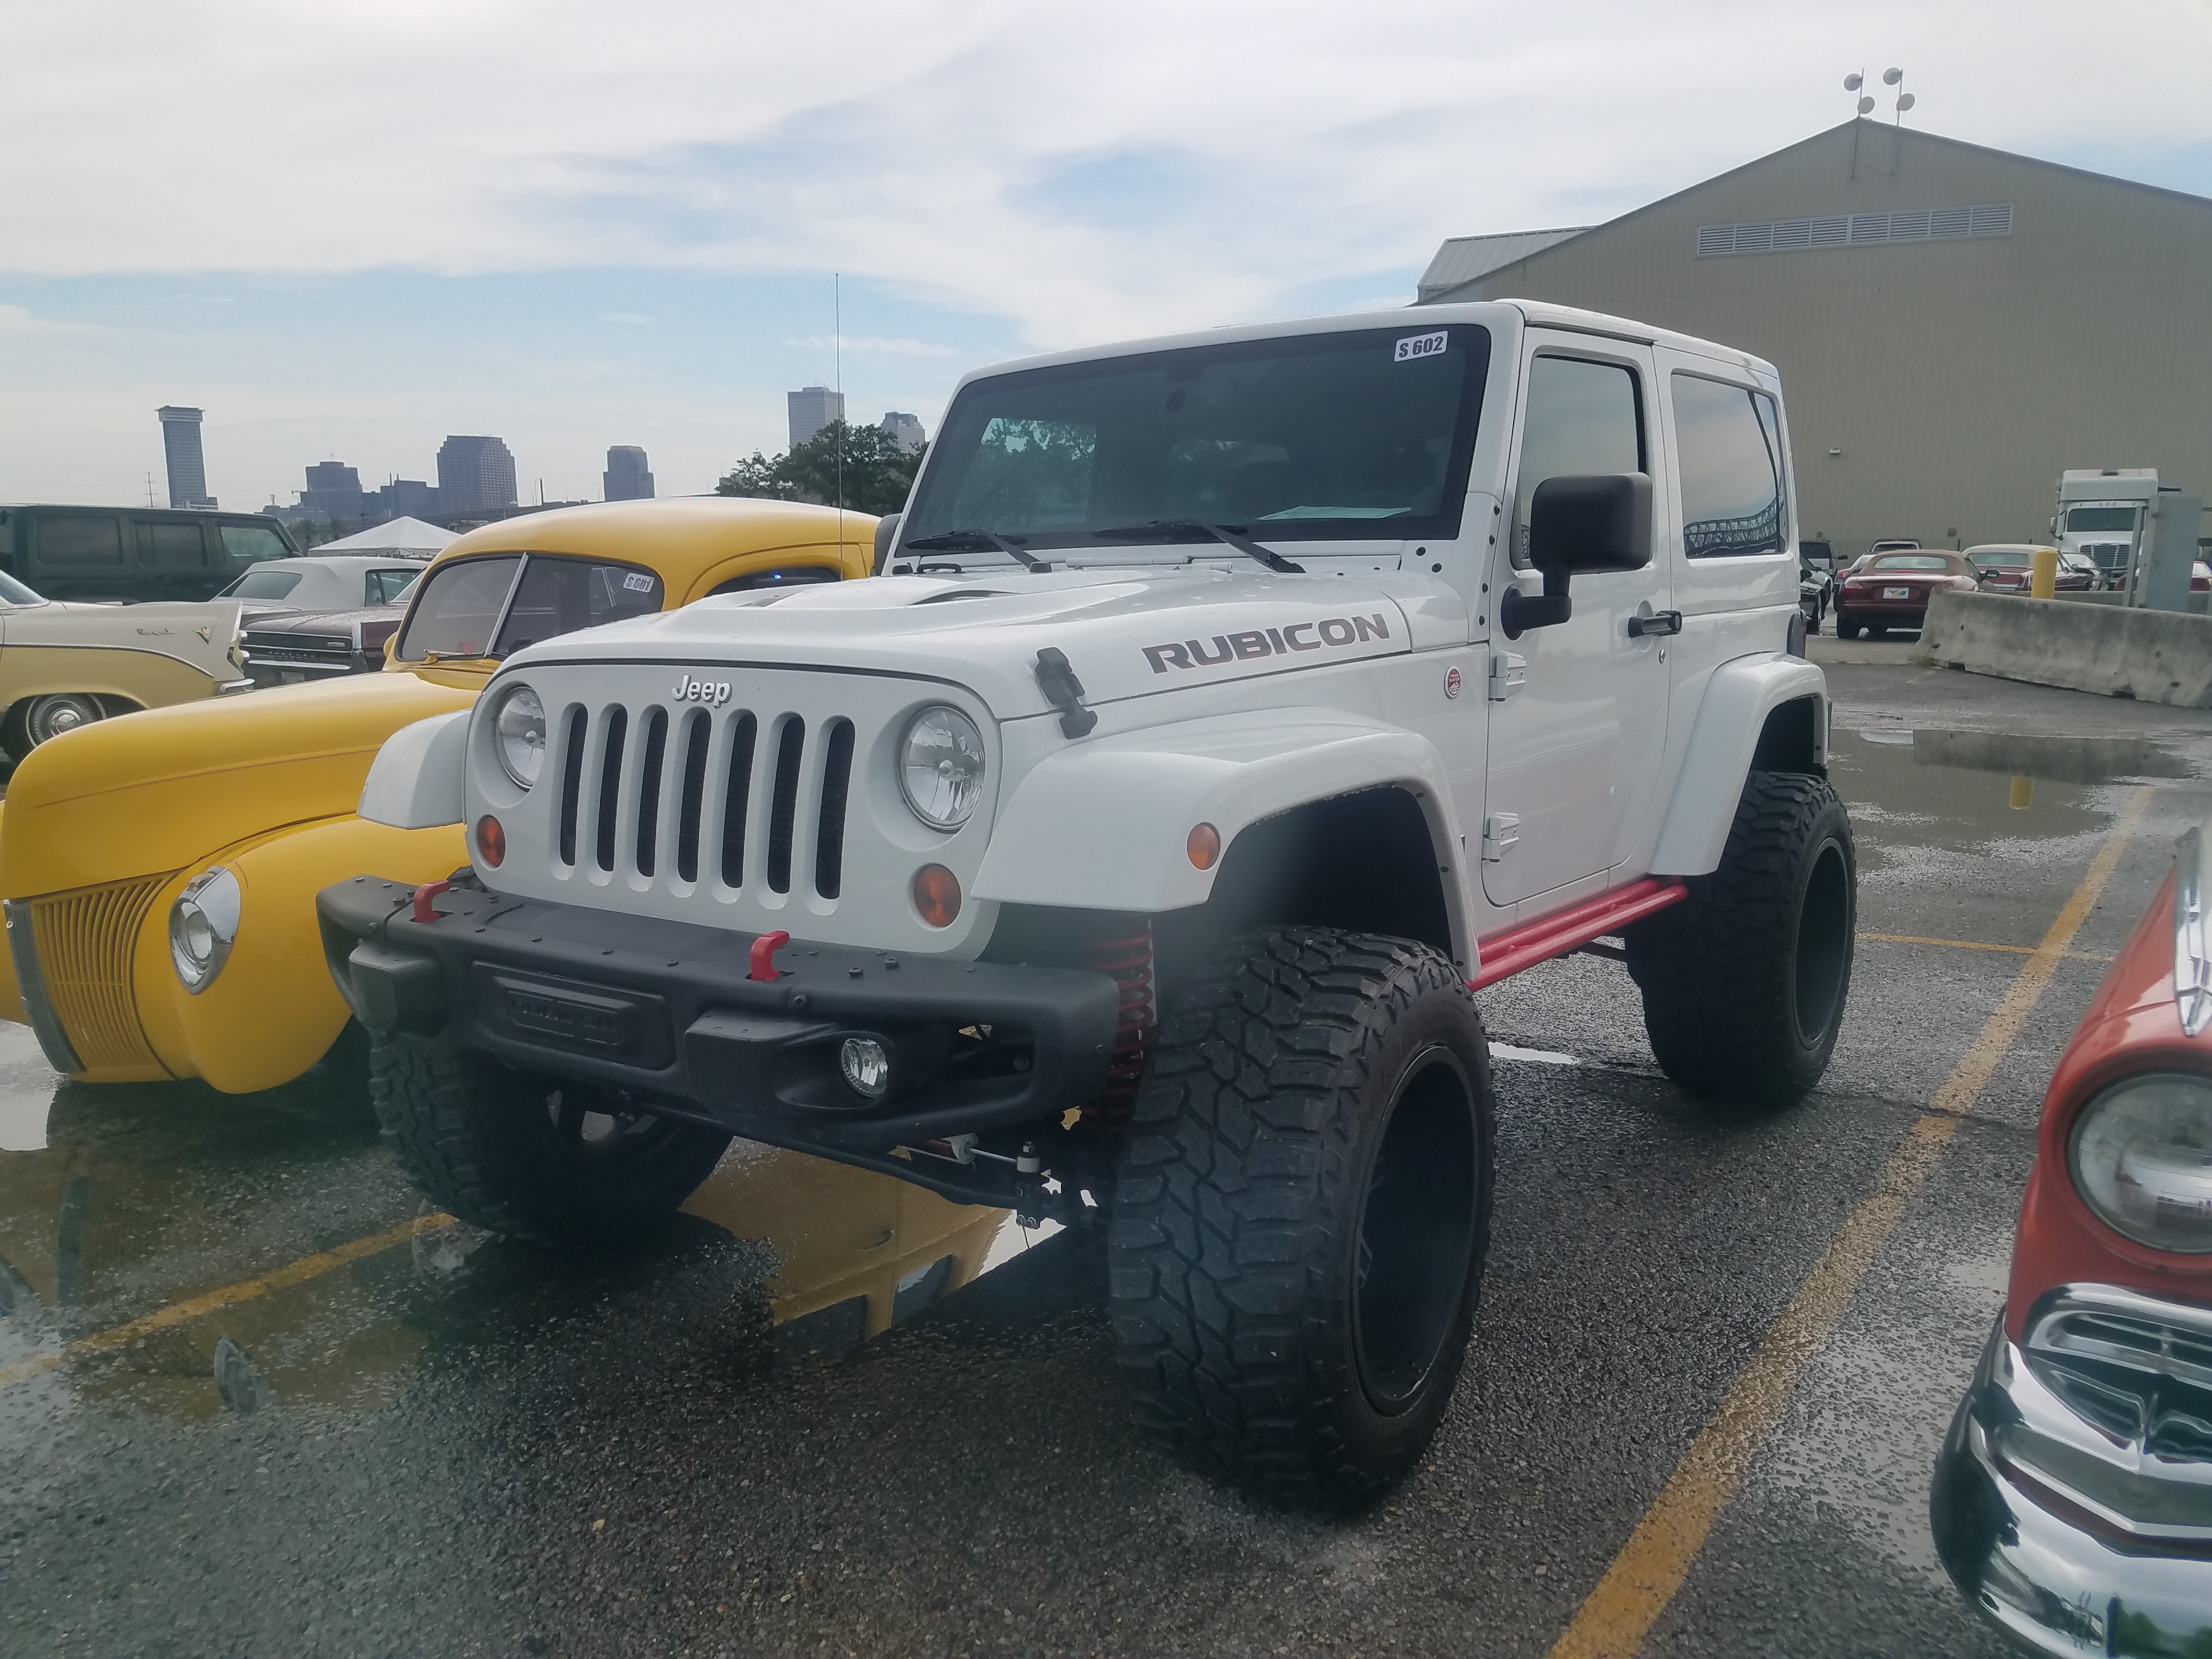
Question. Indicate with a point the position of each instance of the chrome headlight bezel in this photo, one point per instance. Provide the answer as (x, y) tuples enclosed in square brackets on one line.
[(522, 762), (204, 926), (943, 792), (2132, 1172)]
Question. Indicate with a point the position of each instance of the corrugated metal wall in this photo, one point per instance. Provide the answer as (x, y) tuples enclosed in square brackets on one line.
[(1935, 389)]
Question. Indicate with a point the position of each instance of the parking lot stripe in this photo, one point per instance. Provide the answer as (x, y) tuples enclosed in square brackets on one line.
[(177, 1313), (1613, 1622), (1974, 944)]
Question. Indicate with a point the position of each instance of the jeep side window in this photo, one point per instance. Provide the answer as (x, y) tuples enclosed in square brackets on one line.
[(69, 540), (171, 547), (1583, 417), (458, 609), (1730, 442), (249, 543)]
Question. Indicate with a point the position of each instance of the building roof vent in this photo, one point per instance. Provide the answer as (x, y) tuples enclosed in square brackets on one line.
[(1855, 229)]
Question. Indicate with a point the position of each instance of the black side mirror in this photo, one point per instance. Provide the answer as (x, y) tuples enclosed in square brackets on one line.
[(1597, 522), (886, 538)]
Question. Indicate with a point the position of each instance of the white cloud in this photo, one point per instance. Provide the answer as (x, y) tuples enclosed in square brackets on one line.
[(1085, 173), (874, 345), (20, 320)]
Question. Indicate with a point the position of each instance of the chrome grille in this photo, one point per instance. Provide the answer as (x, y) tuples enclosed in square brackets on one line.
[(2138, 1369)]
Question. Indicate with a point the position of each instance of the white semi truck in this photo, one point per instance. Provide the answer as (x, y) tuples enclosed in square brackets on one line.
[(2101, 514)]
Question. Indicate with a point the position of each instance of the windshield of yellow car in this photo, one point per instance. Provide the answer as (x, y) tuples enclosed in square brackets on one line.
[(491, 606)]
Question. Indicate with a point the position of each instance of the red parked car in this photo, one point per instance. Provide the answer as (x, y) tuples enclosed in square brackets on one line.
[(2073, 1499), (2010, 567), (1891, 590)]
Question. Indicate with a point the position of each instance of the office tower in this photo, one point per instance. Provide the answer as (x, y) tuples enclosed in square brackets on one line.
[(626, 479), (180, 447), (474, 473), (333, 491), (906, 432), (812, 408)]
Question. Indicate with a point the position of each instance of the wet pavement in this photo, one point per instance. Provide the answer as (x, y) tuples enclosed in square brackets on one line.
[(826, 1413)]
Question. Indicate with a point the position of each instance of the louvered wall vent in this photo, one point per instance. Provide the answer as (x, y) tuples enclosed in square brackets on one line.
[(1855, 229)]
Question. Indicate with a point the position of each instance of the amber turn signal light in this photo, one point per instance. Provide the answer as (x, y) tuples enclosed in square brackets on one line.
[(491, 840), (937, 895), (1203, 846)]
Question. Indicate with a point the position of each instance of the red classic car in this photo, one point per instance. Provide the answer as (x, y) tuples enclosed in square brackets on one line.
[(2073, 1499), (1891, 590), (2010, 567)]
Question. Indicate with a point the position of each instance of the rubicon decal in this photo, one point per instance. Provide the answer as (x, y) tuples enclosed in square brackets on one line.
[(1267, 642)]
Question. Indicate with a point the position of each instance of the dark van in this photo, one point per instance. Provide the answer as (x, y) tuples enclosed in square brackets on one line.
[(134, 552)]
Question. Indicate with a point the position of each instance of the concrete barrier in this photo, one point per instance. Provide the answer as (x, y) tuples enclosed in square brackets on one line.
[(2154, 656)]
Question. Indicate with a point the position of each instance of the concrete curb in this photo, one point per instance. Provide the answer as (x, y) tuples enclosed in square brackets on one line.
[(2152, 656)]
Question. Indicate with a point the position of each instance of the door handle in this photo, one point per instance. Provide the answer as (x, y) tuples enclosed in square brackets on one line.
[(1658, 623)]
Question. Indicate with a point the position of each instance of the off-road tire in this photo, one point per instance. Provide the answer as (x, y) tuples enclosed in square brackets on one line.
[(1745, 981), (1244, 1211), (484, 1141)]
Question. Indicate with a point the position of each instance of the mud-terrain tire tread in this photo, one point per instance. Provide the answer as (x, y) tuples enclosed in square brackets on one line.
[(1240, 1147), (462, 1127), (1717, 971)]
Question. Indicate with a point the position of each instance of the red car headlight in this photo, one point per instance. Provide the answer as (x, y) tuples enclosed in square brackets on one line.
[(2141, 1155)]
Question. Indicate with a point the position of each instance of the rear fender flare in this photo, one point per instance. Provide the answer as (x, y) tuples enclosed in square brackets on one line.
[(1731, 715)]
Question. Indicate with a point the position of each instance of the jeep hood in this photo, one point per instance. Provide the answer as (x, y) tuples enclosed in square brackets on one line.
[(1125, 633), (153, 792)]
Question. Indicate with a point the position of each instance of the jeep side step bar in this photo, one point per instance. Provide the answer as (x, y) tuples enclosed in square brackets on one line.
[(1507, 953)]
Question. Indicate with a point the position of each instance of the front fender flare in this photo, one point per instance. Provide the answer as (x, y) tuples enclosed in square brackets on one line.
[(1103, 824), (419, 777), (1738, 698)]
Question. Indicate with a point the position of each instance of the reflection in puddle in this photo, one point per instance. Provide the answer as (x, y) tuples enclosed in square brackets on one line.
[(2023, 756)]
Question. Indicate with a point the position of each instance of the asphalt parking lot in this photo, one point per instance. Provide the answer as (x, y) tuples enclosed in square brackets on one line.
[(254, 1399)]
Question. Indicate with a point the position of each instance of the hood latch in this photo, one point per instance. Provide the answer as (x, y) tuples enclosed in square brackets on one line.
[(1055, 678)]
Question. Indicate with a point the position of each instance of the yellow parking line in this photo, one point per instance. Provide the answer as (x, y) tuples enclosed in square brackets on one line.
[(1977, 944), (176, 1313), (1613, 1622)]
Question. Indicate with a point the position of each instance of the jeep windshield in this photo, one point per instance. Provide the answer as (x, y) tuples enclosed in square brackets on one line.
[(1359, 436)]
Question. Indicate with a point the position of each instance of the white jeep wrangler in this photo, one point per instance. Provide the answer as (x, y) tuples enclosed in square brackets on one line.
[(1228, 709)]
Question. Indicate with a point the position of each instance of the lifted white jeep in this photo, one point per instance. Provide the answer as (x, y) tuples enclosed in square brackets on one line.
[(1228, 709)]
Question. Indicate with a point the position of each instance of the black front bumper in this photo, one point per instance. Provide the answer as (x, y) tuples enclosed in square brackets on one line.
[(664, 1011)]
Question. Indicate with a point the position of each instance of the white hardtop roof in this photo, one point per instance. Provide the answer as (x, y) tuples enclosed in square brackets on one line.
[(392, 537), (1413, 319)]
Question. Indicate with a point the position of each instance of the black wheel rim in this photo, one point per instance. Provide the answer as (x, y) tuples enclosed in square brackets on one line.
[(1824, 944), (1416, 1234)]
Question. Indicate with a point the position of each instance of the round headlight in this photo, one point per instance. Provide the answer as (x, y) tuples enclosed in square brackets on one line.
[(941, 766), (518, 730), (2142, 1158), (202, 923)]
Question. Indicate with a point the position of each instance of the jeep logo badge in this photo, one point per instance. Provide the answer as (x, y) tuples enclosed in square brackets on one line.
[(713, 693)]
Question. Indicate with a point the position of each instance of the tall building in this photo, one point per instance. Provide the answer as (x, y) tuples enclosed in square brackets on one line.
[(333, 491), (181, 448), (474, 474), (627, 479), (906, 431), (812, 408), (1955, 325)]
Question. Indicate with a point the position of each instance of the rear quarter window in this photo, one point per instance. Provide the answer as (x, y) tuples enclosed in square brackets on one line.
[(262, 585), (80, 543), (1729, 444)]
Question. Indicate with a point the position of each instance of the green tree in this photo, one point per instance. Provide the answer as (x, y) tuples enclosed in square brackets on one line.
[(861, 467)]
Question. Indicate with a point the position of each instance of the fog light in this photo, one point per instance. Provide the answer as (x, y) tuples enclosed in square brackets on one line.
[(866, 1065), (937, 895), (491, 840)]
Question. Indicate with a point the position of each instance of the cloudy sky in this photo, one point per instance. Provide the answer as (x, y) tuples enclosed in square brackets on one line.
[(348, 230)]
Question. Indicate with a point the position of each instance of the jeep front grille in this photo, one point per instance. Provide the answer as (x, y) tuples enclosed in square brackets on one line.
[(634, 796), (85, 942)]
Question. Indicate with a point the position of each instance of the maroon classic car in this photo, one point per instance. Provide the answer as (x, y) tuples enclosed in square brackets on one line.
[(2073, 1499), (319, 645), (1891, 590)]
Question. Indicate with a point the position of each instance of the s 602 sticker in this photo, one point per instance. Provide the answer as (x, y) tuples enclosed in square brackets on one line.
[(1421, 345)]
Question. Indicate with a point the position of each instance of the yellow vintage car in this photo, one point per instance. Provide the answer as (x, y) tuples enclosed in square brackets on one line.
[(66, 665), (160, 872)]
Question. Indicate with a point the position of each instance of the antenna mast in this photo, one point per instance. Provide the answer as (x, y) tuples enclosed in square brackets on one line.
[(837, 379)]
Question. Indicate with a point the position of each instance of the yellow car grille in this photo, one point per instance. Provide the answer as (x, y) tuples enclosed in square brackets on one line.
[(86, 940)]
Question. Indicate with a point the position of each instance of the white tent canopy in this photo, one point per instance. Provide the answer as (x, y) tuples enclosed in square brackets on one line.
[(394, 536)]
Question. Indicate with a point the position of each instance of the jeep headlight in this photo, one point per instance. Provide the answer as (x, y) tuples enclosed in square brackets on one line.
[(202, 923), (2142, 1158), (941, 767), (518, 732)]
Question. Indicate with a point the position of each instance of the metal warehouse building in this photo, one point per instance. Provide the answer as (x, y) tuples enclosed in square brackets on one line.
[(1955, 325)]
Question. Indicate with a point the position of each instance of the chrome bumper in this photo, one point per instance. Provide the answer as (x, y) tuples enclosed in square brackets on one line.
[(2063, 1528)]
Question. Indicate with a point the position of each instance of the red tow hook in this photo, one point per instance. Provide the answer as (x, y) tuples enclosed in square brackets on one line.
[(763, 957), (424, 911)]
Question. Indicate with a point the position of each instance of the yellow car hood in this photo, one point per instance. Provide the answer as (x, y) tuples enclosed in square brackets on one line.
[(157, 792)]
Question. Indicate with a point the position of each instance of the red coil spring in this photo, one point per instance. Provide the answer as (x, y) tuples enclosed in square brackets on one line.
[(1129, 960)]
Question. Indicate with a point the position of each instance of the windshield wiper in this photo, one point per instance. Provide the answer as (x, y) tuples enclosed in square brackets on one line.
[(1181, 529), (978, 540)]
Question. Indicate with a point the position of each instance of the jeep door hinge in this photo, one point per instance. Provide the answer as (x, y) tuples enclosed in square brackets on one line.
[(1508, 672), (1499, 831)]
